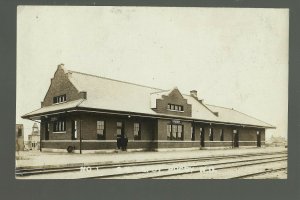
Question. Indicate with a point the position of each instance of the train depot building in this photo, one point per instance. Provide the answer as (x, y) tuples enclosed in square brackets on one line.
[(88, 112)]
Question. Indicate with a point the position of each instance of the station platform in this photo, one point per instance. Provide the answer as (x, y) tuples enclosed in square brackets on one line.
[(34, 159)]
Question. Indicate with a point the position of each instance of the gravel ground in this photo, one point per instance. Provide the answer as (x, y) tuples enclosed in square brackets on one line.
[(40, 159)]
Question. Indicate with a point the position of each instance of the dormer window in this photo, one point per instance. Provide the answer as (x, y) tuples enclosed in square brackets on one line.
[(174, 107), (60, 99)]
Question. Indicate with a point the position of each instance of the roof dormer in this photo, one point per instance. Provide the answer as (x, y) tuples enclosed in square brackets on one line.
[(170, 102)]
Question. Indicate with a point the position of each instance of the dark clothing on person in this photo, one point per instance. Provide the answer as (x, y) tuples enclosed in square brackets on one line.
[(125, 142), (122, 142), (119, 142)]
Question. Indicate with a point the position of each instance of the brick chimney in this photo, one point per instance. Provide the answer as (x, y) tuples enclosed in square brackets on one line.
[(193, 93), (61, 65)]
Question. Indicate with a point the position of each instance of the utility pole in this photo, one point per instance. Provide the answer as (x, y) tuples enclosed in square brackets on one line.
[(41, 140), (232, 135), (80, 138)]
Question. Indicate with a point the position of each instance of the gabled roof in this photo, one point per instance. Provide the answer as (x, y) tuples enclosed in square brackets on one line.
[(230, 115), (109, 94), (159, 95)]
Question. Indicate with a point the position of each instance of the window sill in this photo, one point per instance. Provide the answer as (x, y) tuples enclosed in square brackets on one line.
[(175, 110), (59, 132), (59, 103)]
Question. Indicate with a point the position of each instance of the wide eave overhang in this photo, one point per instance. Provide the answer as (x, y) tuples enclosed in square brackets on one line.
[(133, 114)]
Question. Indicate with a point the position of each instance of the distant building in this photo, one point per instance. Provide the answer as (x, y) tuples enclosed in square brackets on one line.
[(34, 138), (19, 137), (277, 141)]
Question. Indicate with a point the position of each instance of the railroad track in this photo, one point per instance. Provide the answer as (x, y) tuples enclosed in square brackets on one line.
[(165, 172), (38, 171), (268, 171)]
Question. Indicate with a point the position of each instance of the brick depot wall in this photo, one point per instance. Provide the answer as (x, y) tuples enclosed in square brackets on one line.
[(96, 145), (42, 129), (174, 98), (153, 134), (218, 144), (263, 135), (161, 129), (61, 135), (247, 136), (85, 145), (60, 85), (177, 144), (89, 127), (227, 131)]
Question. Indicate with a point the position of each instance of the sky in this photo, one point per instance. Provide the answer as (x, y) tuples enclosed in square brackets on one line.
[(233, 57)]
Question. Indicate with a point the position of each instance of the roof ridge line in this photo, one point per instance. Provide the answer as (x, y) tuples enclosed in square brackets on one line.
[(220, 106), (159, 91), (71, 71)]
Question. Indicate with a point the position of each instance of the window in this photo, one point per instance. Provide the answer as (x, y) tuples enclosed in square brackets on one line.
[(174, 132), (119, 128), (100, 130), (60, 99), (179, 131), (169, 131), (59, 126), (211, 134), (174, 107), (221, 135), (202, 136), (137, 131), (19, 132), (74, 135)]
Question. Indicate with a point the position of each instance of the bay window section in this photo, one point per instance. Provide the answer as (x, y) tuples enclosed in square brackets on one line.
[(174, 132)]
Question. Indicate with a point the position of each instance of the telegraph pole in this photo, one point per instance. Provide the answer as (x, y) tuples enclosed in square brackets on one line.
[(80, 138)]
